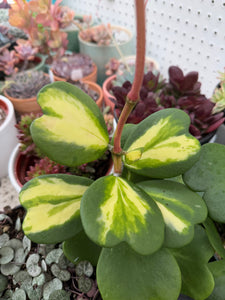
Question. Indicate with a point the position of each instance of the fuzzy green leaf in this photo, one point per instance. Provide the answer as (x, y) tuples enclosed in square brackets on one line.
[(181, 209), (115, 210), (168, 149), (72, 130), (208, 176), (124, 274)]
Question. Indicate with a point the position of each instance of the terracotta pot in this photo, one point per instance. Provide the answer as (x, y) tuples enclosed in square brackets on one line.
[(108, 97), (91, 77), (8, 135), (25, 106), (95, 87)]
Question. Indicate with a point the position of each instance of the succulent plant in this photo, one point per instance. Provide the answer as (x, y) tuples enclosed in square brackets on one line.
[(180, 91), (218, 96), (26, 84), (73, 66), (38, 271), (44, 166)]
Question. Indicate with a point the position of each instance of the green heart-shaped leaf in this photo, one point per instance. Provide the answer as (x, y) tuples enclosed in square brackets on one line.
[(208, 176), (81, 248), (197, 280), (114, 210), (53, 207), (218, 270), (214, 237), (124, 274), (181, 209), (167, 147), (72, 130)]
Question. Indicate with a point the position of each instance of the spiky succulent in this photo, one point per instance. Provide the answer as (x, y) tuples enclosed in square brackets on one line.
[(27, 146), (26, 84), (181, 91)]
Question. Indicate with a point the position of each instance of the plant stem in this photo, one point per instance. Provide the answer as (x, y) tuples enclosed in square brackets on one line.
[(133, 95)]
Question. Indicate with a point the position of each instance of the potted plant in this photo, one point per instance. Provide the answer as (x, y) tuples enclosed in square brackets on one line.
[(218, 96), (27, 160), (74, 66), (154, 238), (7, 133), (22, 57), (180, 91), (121, 70), (103, 42), (22, 89), (43, 24), (80, 22)]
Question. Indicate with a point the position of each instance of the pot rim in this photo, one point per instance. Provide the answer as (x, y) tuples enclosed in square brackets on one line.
[(11, 168), (9, 112), (130, 35)]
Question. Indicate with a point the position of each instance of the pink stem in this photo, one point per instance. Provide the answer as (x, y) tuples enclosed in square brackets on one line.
[(133, 95)]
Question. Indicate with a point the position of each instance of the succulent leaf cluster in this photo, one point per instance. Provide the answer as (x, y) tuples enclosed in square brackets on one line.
[(181, 91), (38, 271), (73, 66), (26, 85)]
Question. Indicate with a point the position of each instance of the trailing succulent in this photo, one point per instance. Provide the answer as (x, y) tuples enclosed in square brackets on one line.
[(38, 271), (181, 91)]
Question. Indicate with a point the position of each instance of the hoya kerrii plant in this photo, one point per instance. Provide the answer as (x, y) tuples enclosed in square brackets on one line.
[(147, 229)]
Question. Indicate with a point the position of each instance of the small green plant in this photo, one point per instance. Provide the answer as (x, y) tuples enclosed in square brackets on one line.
[(146, 227), (219, 95)]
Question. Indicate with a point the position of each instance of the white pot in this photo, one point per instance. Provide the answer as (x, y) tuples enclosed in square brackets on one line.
[(11, 168), (8, 135)]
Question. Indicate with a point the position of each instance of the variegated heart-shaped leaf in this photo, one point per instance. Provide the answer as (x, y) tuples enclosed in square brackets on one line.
[(53, 207), (114, 210), (208, 176), (124, 274), (164, 145), (72, 130), (181, 209)]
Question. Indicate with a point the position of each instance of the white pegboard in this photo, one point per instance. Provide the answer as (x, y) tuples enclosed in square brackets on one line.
[(189, 34)]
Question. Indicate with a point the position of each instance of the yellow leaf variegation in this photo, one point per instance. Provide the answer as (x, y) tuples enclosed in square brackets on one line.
[(72, 130), (167, 148), (53, 207), (114, 210), (181, 209)]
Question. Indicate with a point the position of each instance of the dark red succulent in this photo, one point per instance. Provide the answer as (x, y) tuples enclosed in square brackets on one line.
[(181, 91)]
